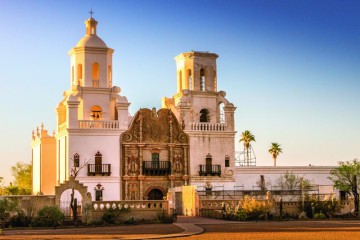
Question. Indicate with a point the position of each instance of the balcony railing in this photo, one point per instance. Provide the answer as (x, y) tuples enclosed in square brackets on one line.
[(210, 170), (160, 168), (110, 124), (213, 127), (99, 169)]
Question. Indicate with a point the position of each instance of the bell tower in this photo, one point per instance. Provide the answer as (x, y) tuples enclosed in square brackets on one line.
[(196, 71), (207, 117)]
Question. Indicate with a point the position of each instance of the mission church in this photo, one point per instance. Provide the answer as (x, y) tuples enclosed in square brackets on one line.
[(189, 141), (122, 157)]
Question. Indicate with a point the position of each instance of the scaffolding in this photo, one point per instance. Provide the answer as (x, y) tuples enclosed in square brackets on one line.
[(246, 158)]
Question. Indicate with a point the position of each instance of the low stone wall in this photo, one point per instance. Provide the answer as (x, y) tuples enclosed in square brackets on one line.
[(138, 210), (31, 204)]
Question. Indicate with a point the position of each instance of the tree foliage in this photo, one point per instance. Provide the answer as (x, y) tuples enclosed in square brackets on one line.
[(247, 137), (22, 173), (346, 177), (6, 208), (275, 150), (290, 181)]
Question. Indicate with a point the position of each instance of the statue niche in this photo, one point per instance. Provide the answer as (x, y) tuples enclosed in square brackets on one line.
[(178, 159), (133, 164)]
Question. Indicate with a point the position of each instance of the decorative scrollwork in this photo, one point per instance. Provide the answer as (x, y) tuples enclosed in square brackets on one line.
[(182, 137), (228, 172), (127, 137)]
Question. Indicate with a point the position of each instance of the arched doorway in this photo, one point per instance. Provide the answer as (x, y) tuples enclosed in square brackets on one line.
[(155, 194)]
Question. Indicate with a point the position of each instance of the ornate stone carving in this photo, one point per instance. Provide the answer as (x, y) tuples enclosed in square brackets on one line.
[(133, 164), (178, 162)]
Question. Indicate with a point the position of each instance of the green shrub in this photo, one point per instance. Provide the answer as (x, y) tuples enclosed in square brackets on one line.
[(241, 215), (112, 216), (319, 215), (20, 220), (49, 216), (164, 217)]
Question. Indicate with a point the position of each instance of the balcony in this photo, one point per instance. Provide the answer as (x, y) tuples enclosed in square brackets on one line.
[(99, 169), (161, 168), (210, 170)]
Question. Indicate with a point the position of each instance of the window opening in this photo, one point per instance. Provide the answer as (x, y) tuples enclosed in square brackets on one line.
[(221, 113), (202, 80), (96, 113), (155, 160), (227, 161), (76, 160), (208, 163), (204, 115), (99, 192), (95, 74)]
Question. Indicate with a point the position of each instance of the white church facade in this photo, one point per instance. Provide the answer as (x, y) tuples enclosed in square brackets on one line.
[(190, 141)]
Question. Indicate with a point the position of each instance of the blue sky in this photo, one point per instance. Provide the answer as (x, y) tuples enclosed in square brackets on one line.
[(292, 68)]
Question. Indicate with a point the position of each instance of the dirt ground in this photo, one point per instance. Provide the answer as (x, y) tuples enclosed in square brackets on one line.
[(297, 230)]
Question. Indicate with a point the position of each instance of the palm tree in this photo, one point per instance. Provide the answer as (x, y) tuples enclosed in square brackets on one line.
[(247, 138), (275, 150)]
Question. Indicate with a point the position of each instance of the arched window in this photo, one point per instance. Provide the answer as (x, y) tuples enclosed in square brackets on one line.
[(221, 113), (109, 76), (96, 113), (72, 75), (204, 115), (227, 161), (79, 73), (95, 74), (202, 80), (215, 82), (180, 80), (189, 78)]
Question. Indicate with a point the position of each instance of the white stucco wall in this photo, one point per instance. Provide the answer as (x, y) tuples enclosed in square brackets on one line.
[(318, 175)]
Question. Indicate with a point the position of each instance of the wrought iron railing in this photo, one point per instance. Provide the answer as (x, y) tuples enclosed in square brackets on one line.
[(99, 169), (210, 170), (156, 168)]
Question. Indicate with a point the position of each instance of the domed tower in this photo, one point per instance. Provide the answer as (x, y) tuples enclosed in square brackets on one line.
[(91, 60), (207, 117), (91, 117)]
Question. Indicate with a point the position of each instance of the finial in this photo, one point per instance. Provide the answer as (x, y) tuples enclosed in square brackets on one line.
[(42, 126), (91, 13)]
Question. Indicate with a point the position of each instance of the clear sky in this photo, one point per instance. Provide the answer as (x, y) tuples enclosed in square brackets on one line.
[(292, 68)]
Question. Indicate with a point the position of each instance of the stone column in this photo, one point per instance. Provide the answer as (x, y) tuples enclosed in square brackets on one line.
[(141, 159), (126, 160)]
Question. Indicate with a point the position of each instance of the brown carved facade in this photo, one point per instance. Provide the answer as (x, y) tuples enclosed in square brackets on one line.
[(155, 155)]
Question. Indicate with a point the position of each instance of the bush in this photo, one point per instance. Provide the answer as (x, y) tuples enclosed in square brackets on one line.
[(241, 215), (253, 208), (20, 220), (164, 217), (112, 216), (319, 215), (49, 217), (315, 204), (7, 207)]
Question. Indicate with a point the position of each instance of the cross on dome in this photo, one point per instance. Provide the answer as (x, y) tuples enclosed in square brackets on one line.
[(91, 13)]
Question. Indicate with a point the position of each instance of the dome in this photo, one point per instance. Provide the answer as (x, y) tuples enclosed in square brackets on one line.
[(91, 40)]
